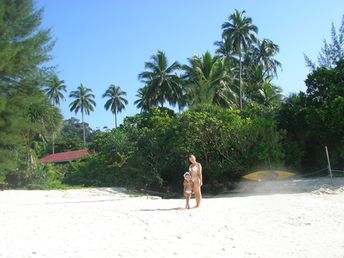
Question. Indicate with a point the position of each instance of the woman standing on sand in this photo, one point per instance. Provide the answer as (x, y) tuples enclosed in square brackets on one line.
[(196, 176)]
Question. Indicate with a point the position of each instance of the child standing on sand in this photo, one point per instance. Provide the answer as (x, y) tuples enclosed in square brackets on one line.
[(188, 186)]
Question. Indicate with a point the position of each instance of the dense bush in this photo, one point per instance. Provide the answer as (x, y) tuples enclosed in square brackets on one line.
[(151, 149), (45, 176), (314, 120), (114, 163)]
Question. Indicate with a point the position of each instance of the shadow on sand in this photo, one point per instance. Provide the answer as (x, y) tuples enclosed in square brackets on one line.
[(165, 209)]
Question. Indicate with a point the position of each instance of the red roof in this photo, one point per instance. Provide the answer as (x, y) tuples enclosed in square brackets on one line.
[(63, 156)]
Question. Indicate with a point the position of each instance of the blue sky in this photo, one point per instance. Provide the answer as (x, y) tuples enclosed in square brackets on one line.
[(105, 42)]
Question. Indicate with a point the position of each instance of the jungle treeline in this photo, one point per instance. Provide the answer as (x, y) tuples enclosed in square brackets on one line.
[(224, 108)]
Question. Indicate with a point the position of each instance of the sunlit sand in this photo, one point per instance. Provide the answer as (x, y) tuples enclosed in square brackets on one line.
[(110, 223)]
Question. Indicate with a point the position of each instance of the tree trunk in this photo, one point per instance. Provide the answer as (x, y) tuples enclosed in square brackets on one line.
[(53, 142), (30, 162), (29, 157), (83, 127), (240, 85), (115, 119)]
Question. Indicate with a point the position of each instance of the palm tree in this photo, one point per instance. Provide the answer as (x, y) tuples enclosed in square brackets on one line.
[(41, 119), (240, 32), (264, 54), (209, 81), (143, 102), (161, 80), (254, 79), (270, 95), (225, 50), (53, 90), (84, 101), (116, 101)]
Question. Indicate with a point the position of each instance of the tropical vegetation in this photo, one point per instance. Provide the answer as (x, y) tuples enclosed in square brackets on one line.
[(116, 101), (84, 102), (224, 107)]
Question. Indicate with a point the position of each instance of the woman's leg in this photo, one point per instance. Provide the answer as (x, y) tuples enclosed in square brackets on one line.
[(199, 197), (198, 194)]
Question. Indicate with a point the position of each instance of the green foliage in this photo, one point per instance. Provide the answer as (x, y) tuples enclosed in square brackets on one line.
[(23, 44), (253, 60), (114, 146), (47, 176), (39, 118), (331, 53), (24, 48), (263, 55), (71, 136), (227, 145), (115, 163), (222, 79), (315, 119), (116, 101), (264, 93), (209, 80), (9, 135), (239, 33), (91, 172), (150, 134), (54, 89), (84, 102), (151, 149), (161, 84)]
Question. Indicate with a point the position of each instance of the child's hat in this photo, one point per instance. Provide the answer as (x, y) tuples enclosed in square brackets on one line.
[(186, 174)]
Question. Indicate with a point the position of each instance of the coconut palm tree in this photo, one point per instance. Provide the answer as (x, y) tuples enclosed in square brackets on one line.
[(116, 101), (84, 102), (161, 80), (143, 102), (254, 79), (241, 33), (209, 81), (264, 54), (53, 90), (269, 94)]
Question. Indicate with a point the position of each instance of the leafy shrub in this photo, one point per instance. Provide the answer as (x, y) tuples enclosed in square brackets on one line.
[(151, 150)]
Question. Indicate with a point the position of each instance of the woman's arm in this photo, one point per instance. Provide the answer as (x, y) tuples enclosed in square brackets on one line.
[(200, 173)]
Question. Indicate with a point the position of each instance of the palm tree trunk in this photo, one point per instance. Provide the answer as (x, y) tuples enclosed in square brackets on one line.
[(240, 85), (30, 162), (115, 119), (53, 142), (83, 127)]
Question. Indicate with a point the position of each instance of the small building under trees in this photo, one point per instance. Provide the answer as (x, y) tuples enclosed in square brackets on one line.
[(64, 156)]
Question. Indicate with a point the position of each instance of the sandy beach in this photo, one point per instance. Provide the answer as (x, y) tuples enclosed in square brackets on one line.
[(109, 222)]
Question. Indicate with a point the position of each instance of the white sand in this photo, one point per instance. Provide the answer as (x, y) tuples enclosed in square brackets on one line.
[(107, 223)]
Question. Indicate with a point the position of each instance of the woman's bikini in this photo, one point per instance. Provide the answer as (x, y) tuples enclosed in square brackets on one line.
[(194, 173)]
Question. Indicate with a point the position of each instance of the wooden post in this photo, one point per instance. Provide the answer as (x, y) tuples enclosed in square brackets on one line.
[(329, 164)]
